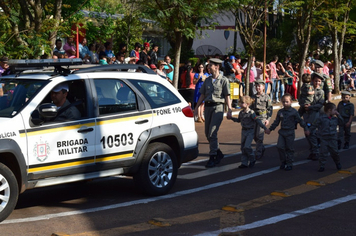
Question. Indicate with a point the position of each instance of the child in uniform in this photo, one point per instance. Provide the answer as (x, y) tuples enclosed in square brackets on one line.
[(288, 117), (263, 108), (346, 110), (312, 113), (306, 93), (248, 119), (327, 127)]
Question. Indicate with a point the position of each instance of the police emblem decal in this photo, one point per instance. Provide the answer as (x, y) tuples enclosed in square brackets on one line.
[(41, 150)]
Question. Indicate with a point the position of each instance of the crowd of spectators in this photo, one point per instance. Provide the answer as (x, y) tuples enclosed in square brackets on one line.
[(280, 77)]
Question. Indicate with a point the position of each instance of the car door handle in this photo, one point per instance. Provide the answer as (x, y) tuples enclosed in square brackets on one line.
[(141, 122), (85, 130)]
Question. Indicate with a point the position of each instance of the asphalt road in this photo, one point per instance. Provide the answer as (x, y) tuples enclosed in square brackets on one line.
[(223, 200)]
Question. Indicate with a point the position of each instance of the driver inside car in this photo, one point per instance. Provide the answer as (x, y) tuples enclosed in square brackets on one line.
[(66, 111)]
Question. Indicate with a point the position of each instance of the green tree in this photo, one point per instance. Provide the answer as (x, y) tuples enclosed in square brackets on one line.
[(30, 27), (335, 16), (178, 18), (303, 14), (129, 29), (249, 15)]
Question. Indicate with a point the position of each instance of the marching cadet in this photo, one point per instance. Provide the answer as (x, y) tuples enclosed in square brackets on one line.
[(313, 111), (346, 110), (263, 108), (214, 92), (326, 84), (248, 119), (327, 126), (288, 117)]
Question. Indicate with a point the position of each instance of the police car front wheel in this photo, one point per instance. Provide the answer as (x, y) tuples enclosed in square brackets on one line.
[(158, 171), (9, 192)]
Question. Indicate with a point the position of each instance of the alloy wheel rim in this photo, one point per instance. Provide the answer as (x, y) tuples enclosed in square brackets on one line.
[(160, 169), (4, 192)]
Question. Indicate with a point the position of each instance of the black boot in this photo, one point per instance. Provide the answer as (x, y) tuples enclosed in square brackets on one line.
[(211, 162), (346, 146), (219, 157), (338, 166)]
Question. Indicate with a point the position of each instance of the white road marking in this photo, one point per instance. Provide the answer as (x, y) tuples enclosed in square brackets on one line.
[(283, 217), (147, 200), (209, 171)]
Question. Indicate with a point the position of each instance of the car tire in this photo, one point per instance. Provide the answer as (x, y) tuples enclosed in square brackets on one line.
[(9, 192), (158, 170)]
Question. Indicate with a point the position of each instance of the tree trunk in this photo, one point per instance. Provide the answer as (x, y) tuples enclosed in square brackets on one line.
[(304, 44), (57, 17), (336, 61), (247, 79), (177, 49)]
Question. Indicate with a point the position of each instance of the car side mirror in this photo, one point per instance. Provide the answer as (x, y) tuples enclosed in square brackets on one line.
[(44, 112), (36, 119), (48, 110)]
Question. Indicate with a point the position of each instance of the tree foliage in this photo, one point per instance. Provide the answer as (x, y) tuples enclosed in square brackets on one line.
[(249, 15), (335, 17), (178, 18)]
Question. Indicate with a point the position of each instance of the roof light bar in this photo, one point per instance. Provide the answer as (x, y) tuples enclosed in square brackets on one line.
[(115, 67), (21, 65)]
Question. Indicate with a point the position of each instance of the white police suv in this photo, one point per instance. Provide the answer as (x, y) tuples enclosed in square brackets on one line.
[(113, 122)]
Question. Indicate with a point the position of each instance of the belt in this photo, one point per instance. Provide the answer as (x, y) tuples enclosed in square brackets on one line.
[(247, 128), (211, 104), (261, 112)]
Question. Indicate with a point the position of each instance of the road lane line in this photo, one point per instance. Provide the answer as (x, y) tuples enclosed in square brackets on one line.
[(227, 219), (147, 200), (287, 216)]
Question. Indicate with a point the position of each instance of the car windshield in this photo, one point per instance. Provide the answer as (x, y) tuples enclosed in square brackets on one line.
[(16, 94)]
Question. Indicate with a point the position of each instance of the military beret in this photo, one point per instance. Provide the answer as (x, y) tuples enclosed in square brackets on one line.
[(216, 60), (318, 63), (259, 81), (345, 93), (316, 74)]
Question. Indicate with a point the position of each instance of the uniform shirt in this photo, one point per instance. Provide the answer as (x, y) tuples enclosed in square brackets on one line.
[(248, 119), (318, 100), (262, 105), (326, 85), (304, 97), (72, 113), (327, 126), (215, 91), (288, 118), (346, 109)]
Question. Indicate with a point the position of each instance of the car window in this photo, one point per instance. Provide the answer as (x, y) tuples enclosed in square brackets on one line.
[(114, 96), (17, 94), (156, 94), (72, 97)]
